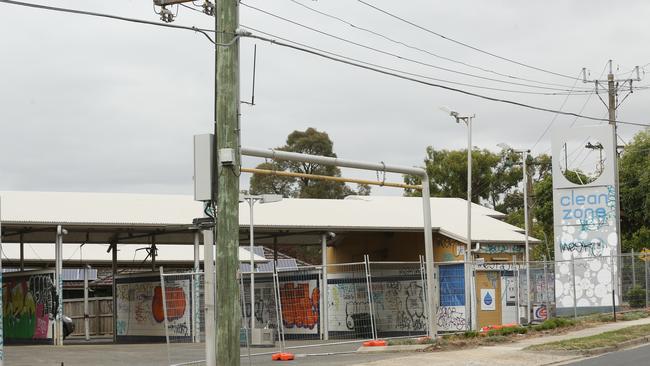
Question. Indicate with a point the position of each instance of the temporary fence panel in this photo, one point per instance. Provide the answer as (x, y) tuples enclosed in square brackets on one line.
[(140, 302), (586, 285), (183, 316), (452, 314), (500, 293), (300, 303), (265, 306), (593, 267), (542, 288), (633, 280), (348, 308), (398, 299)]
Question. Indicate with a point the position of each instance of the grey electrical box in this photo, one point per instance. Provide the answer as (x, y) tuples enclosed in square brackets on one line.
[(227, 156), (262, 337), (203, 165)]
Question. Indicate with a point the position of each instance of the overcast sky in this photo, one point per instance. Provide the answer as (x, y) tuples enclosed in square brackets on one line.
[(92, 104)]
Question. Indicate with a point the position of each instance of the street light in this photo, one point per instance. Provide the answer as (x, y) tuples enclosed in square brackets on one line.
[(251, 199), (524, 155), (468, 251)]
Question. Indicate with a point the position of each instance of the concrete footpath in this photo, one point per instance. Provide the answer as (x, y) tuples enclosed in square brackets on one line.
[(508, 354)]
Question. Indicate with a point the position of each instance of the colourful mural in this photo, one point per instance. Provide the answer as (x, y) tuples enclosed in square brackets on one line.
[(448, 250), (176, 304), (300, 309), (28, 307)]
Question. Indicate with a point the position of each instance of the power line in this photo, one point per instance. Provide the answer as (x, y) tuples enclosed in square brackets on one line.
[(403, 71), (191, 8), (552, 121), (393, 40), (320, 54), (205, 31), (109, 16), (562, 107), (359, 65), (462, 43), (395, 55)]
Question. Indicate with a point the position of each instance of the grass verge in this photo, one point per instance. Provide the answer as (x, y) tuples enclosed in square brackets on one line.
[(552, 326), (596, 341)]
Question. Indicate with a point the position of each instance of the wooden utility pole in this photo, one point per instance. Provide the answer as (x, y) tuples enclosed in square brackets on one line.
[(612, 91), (228, 164), (614, 86), (530, 195)]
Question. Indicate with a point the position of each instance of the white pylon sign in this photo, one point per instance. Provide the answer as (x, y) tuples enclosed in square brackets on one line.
[(585, 217)]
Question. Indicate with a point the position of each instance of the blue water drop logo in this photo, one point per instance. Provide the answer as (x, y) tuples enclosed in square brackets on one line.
[(487, 299)]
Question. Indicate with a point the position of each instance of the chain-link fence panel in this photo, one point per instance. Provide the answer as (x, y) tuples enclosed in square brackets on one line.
[(259, 315), (348, 313), (633, 280), (499, 293), (542, 290), (586, 285), (183, 314), (453, 312), (398, 293)]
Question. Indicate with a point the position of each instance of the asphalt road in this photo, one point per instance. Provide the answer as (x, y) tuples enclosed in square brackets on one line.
[(630, 357), (157, 355)]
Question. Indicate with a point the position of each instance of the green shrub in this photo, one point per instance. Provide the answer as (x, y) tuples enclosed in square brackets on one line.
[(634, 315), (470, 334), (636, 297), (553, 323)]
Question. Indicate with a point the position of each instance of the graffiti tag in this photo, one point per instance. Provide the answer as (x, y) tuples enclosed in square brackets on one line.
[(594, 247), (450, 318)]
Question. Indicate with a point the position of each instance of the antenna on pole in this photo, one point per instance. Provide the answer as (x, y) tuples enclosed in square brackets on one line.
[(252, 102)]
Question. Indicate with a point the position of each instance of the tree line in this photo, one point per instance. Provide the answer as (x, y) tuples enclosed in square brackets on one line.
[(496, 183)]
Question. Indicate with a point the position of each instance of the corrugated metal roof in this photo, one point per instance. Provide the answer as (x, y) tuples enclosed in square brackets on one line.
[(68, 274)]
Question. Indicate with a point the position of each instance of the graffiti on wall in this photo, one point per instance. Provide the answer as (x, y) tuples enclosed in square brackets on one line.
[(346, 301), (175, 300), (451, 318), (300, 305), (495, 266), (141, 310), (449, 250), (500, 249), (300, 301), (28, 306), (265, 314), (399, 305)]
